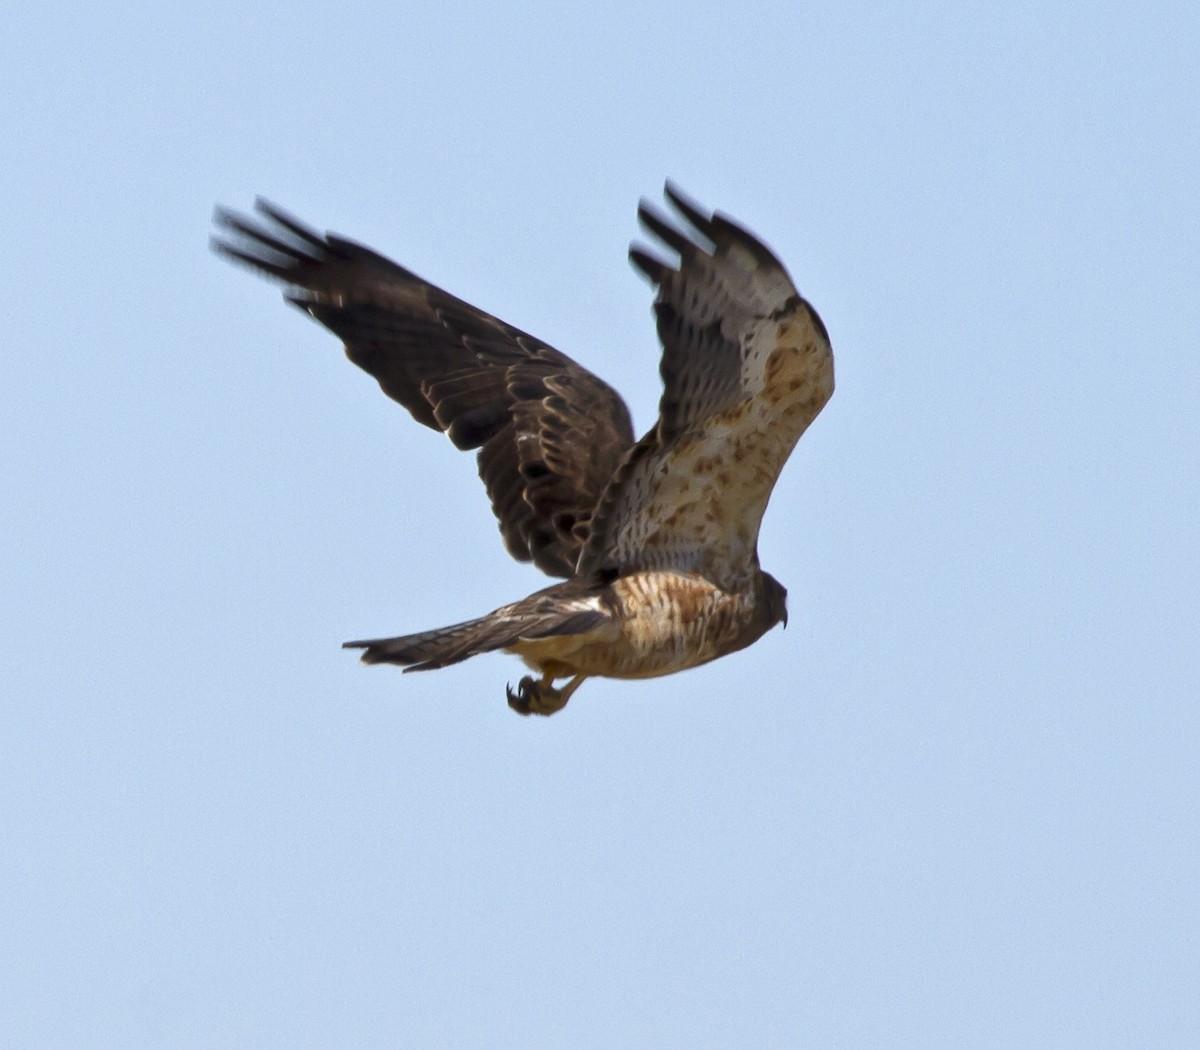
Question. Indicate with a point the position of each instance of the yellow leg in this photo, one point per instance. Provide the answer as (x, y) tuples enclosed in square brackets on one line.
[(566, 691)]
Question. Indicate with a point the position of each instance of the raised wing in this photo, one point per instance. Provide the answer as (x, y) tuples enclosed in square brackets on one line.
[(550, 434), (746, 367)]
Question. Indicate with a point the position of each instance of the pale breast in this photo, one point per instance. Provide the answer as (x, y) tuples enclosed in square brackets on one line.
[(665, 621)]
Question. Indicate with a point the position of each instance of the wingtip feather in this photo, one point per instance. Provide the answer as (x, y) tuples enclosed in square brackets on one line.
[(660, 227), (647, 264), (289, 222), (689, 208)]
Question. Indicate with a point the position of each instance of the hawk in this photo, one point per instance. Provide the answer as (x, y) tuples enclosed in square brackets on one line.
[(655, 539)]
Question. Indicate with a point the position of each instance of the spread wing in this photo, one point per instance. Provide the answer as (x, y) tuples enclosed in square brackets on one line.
[(550, 434), (746, 367)]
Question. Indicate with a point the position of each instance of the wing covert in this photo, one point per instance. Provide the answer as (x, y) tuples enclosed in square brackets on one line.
[(746, 367), (549, 433)]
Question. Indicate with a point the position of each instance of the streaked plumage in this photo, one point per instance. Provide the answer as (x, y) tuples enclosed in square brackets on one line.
[(657, 540)]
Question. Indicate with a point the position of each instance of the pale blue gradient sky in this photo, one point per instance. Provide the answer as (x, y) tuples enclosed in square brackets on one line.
[(953, 805)]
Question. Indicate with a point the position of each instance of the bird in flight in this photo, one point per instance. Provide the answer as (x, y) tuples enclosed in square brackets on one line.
[(656, 540)]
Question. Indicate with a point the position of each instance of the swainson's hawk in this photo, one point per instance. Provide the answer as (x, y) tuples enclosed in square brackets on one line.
[(656, 539)]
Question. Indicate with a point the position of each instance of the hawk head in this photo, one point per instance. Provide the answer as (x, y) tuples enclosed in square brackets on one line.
[(774, 602)]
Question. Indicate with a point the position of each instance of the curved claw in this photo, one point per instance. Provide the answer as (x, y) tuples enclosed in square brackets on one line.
[(534, 697), (519, 701)]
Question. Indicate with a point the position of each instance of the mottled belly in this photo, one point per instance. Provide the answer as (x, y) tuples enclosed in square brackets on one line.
[(662, 622)]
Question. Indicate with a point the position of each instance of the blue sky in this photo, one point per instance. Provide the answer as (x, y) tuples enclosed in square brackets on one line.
[(954, 804)]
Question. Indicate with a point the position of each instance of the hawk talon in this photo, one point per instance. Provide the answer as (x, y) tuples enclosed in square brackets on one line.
[(539, 697), (535, 697), (517, 700)]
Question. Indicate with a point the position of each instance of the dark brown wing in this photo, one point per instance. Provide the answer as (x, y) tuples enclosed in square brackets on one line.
[(550, 434), (746, 367)]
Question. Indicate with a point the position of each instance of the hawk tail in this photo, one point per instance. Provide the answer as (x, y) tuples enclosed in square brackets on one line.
[(429, 650)]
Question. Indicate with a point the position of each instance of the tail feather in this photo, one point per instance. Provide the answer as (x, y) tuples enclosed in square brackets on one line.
[(429, 650)]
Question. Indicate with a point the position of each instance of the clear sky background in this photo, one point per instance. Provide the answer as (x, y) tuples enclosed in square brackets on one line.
[(954, 804)]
